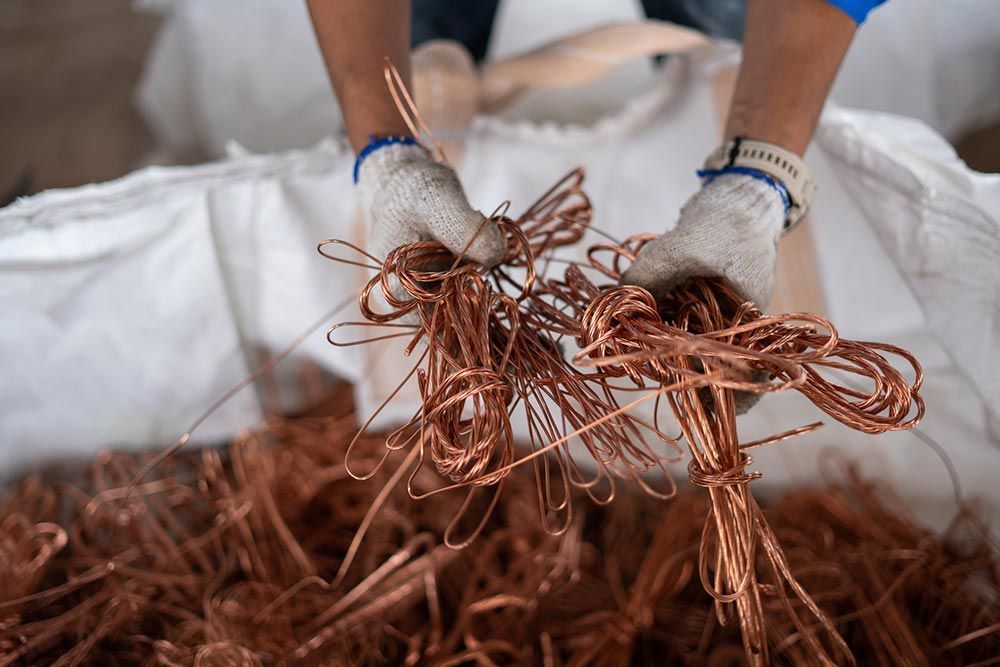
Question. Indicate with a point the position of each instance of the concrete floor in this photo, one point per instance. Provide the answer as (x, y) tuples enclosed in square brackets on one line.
[(67, 73)]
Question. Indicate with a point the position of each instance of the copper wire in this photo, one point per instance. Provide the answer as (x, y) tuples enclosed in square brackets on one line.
[(707, 336), (208, 576), (276, 550), (697, 347)]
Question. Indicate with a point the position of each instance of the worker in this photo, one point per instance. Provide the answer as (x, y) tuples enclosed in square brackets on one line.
[(754, 186)]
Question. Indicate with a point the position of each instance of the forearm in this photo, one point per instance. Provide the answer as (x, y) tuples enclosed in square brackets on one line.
[(792, 50), (355, 37)]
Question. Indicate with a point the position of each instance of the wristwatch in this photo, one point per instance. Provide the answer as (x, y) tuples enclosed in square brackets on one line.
[(784, 166)]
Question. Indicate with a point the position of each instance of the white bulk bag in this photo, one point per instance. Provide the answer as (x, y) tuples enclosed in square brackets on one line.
[(939, 222), (129, 306)]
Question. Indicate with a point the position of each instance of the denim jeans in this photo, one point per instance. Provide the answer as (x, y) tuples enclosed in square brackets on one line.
[(470, 22)]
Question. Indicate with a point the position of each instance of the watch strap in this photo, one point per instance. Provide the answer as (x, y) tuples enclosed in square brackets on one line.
[(782, 165)]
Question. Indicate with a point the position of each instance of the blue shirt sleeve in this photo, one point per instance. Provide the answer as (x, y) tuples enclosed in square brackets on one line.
[(856, 9)]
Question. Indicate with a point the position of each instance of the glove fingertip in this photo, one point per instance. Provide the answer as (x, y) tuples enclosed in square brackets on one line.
[(650, 271), (487, 247)]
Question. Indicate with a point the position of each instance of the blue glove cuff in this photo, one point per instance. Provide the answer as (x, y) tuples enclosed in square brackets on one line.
[(375, 143), (710, 175)]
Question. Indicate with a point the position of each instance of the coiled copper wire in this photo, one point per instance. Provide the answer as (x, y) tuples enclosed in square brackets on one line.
[(219, 560), (698, 348)]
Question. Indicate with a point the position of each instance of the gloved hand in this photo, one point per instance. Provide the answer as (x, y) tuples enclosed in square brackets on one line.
[(406, 196), (729, 229)]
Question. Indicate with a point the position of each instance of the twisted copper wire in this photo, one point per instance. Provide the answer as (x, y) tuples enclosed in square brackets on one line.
[(706, 342), (480, 364), (698, 346)]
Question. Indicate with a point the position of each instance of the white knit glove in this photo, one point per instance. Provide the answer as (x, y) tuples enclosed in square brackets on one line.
[(727, 230), (407, 197)]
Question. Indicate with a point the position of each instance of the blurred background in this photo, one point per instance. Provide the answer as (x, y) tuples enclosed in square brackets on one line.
[(69, 72)]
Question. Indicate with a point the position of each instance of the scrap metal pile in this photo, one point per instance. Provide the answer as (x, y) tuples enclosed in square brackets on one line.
[(231, 557)]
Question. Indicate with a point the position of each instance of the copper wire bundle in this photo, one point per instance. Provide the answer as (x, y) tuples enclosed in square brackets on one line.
[(705, 343), (479, 362), (698, 347), (232, 558)]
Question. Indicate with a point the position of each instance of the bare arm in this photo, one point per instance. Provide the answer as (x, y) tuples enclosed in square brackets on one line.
[(730, 228), (403, 193), (792, 50), (355, 36)]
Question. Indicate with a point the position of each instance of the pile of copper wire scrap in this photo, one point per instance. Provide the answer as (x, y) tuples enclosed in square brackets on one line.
[(235, 555)]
